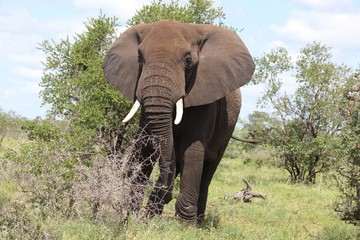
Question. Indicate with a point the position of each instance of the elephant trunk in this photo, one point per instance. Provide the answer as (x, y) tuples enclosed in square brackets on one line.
[(159, 123), (158, 102)]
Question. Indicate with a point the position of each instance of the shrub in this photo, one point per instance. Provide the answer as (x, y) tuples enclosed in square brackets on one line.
[(349, 174), (57, 180)]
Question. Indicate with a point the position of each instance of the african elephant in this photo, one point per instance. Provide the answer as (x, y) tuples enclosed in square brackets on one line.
[(187, 79)]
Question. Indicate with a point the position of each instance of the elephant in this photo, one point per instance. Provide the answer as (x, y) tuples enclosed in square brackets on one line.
[(186, 78)]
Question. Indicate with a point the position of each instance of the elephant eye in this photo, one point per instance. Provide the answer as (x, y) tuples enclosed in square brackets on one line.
[(188, 60)]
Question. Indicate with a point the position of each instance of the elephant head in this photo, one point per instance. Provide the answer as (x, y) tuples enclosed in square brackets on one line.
[(167, 66)]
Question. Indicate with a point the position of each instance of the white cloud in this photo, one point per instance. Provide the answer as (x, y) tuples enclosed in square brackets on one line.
[(8, 94), (329, 4), (27, 72), (20, 33), (31, 87), (124, 9), (16, 19), (337, 30), (17, 43), (33, 59)]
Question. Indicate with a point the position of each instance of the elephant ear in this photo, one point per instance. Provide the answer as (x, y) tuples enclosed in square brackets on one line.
[(120, 64), (224, 65)]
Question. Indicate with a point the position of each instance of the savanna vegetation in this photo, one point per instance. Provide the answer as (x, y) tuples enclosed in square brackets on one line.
[(65, 177)]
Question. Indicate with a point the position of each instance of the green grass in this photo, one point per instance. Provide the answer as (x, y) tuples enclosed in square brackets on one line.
[(11, 143), (289, 212), (8, 190)]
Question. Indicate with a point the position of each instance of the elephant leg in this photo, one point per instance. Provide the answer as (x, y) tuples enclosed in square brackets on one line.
[(210, 165), (208, 172), (191, 171)]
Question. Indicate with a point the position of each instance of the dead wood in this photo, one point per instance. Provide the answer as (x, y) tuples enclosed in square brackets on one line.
[(247, 193)]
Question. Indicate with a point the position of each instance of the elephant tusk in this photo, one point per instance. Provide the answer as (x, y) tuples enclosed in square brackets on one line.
[(132, 112), (179, 111)]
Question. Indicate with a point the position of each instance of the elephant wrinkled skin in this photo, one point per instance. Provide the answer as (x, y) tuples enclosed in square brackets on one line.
[(191, 72)]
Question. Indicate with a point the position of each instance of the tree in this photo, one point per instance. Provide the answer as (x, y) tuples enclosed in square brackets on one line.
[(74, 85), (258, 125), (196, 11), (349, 180), (307, 123)]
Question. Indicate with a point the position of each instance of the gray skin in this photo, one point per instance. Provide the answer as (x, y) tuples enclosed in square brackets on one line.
[(204, 65)]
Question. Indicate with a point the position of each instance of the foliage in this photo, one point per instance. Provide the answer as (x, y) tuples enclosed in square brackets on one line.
[(41, 130), (74, 85), (20, 222), (304, 126), (9, 124), (261, 155), (196, 11), (257, 127), (349, 179)]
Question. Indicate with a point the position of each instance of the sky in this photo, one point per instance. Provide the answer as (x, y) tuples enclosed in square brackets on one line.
[(265, 24)]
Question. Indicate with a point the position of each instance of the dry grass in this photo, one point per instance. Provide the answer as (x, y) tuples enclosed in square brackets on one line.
[(53, 205)]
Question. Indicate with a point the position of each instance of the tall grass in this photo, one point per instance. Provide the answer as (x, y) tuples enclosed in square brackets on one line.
[(289, 212)]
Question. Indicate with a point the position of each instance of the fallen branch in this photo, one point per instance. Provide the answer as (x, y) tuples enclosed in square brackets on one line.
[(246, 194)]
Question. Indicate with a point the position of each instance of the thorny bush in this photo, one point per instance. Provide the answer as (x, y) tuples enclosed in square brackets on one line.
[(56, 181)]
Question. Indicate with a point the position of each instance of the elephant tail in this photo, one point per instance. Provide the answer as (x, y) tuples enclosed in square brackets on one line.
[(252, 141)]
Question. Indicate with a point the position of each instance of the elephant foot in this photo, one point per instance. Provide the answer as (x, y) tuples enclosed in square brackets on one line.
[(157, 199), (200, 221), (186, 214), (154, 208), (186, 208), (186, 222)]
